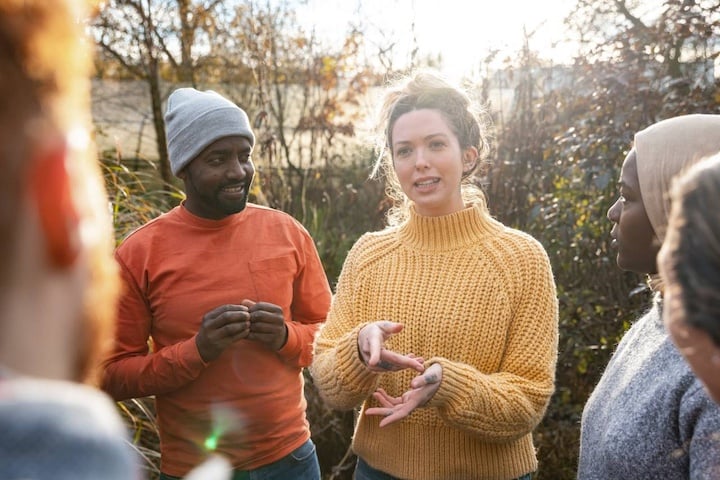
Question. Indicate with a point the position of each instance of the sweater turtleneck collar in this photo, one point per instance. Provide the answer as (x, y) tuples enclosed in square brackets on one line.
[(448, 232), (201, 222)]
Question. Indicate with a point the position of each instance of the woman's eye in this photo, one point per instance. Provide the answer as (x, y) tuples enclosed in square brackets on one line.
[(437, 145), (402, 152)]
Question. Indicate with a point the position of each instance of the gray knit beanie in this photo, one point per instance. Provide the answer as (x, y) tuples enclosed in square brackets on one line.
[(195, 119)]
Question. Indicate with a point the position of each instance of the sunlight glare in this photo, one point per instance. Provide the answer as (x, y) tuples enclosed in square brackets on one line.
[(461, 33)]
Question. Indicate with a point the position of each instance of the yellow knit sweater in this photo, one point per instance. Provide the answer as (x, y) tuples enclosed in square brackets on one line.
[(478, 298)]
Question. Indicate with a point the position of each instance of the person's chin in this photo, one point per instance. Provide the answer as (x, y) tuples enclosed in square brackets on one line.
[(235, 207), (627, 267), (626, 264), (620, 262)]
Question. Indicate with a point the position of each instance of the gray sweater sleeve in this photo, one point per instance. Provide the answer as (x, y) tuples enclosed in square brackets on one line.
[(62, 431), (649, 417), (699, 432)]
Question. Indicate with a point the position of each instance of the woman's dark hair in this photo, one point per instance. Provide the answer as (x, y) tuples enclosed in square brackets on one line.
[(692, 251)]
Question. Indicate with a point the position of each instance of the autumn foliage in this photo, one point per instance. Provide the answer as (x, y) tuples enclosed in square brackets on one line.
[(557, 155)]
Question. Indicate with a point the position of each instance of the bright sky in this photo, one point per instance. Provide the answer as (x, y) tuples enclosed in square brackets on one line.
[(462, 31)]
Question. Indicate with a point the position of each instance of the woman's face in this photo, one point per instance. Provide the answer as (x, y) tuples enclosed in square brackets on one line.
[(429, 162), (632, 234)]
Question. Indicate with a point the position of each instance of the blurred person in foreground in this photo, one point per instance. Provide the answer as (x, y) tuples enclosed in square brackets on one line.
[(689, 263), (649, 416), (58, 281), (443, 328), (231, 295)]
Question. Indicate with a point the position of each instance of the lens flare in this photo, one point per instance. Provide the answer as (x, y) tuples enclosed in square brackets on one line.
[(211, 442)]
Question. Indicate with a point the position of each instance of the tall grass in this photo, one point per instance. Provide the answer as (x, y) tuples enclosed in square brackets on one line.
[(137, 194)]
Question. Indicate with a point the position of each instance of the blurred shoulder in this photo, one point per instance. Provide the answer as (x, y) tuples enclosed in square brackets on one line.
[(62, 430), (48, 398)]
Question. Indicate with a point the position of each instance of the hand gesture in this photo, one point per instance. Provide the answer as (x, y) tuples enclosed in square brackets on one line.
[(371, 344), (220, 328), (422, 389), (267, 324)]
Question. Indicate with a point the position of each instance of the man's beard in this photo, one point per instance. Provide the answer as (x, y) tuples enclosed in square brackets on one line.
[(235, 206), (215, 200)]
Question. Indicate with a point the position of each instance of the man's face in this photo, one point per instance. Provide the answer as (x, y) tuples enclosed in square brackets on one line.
[(217, 181)]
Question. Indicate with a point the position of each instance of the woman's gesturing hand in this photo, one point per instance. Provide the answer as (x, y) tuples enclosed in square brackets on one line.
[(371, 345), (422, 389)]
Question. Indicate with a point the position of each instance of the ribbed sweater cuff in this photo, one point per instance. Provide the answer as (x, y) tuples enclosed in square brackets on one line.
[(351, 367), (454, 383)]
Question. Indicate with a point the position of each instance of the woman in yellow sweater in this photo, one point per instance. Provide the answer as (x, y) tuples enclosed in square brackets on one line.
[(443, 328)]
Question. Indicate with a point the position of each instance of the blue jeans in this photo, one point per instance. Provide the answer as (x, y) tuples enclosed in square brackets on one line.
[(300, 464), (363, 471)]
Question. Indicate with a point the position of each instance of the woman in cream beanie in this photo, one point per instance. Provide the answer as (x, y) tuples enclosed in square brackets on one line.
[(649, 416)]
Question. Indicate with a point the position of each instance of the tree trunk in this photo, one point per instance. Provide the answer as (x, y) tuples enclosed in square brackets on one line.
[(159, 123), (186, 72)]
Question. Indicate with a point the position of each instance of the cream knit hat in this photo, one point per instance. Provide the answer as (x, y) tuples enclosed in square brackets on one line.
[(666, 149)]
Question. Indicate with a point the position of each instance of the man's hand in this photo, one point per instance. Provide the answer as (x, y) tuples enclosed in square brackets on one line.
[(267, 324), (422, 389), (220, 328), (371, 345)]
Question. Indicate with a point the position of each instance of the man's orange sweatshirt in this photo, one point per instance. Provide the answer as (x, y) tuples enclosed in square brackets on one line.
[(248, 404)]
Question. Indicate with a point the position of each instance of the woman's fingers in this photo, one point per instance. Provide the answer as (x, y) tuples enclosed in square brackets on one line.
[(393, 412), (371, 343), (401, 362), (422, 389), (392, 362), (386, 400), (431, 376)]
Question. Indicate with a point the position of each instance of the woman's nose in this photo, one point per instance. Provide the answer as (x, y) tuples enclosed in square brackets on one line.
[(421, 160), (613, 213)]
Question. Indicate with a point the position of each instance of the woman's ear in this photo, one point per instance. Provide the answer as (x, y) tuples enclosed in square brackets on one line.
[(49, 191), (470, 157)]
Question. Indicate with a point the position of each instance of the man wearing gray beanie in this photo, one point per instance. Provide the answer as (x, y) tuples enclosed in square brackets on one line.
[(230, 296)]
